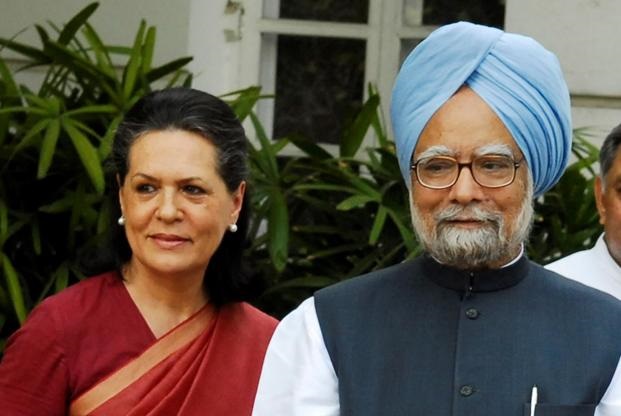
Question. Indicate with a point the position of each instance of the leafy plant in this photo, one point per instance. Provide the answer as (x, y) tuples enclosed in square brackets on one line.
[(52, 144), (317, 218), (312, 213), (566, 218), (348, 214)]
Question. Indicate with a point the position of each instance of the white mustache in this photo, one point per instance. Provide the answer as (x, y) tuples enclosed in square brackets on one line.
[(467, 213)]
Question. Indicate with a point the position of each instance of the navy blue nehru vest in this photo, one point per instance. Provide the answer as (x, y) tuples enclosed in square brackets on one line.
[(423, 339)]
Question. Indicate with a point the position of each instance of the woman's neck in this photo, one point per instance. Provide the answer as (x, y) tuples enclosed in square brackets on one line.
[(164, 300)]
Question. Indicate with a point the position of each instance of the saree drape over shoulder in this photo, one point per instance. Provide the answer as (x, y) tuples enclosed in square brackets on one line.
[(111, 364)]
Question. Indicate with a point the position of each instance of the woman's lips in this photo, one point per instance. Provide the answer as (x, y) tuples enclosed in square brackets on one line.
[(168, 241)]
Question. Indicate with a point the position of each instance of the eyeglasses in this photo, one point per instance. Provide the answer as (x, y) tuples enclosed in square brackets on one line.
[(489, 171)]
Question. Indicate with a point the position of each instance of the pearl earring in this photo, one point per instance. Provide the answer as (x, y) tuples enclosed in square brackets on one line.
[(121, 221), (233, 228)]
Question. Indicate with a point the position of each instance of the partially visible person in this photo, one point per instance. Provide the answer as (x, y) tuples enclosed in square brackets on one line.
[(164, 331), (599, 266)]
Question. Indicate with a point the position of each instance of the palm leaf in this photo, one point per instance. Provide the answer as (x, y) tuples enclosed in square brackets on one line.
[(87, 153), (48, 147), (76, 22), (14, 286)]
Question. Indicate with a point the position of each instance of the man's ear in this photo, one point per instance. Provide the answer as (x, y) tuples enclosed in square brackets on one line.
[(599, 199)]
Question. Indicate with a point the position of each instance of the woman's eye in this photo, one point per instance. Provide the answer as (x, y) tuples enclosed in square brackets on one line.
[(145, 188), (193, 190)]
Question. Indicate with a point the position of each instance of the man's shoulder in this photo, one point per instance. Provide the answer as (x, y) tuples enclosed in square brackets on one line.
[(388, 279), (594, 267), (575, 293), (571, 264)]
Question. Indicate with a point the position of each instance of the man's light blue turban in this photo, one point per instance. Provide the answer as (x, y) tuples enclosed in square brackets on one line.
[(516, 76)]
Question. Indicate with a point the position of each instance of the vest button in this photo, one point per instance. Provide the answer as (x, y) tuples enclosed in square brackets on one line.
[(472, 313), (466, 390)]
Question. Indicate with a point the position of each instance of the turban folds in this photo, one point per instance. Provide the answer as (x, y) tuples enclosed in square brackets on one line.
[(517, 77)]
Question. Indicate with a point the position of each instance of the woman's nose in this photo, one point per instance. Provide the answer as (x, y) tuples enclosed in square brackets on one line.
[(168, 209)]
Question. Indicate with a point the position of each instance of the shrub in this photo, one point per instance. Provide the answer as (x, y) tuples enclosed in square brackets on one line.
[(317, 218), (52, 144)]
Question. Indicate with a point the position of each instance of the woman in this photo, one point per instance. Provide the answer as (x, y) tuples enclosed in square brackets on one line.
[(164, 333)]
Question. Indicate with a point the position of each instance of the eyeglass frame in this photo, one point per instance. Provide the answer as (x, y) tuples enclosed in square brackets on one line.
[(460, 166)]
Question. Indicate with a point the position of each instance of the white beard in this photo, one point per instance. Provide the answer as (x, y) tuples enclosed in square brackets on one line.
[(475, 248)]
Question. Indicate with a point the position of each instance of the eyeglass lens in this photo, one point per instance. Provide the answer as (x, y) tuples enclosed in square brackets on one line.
[(442, 171)]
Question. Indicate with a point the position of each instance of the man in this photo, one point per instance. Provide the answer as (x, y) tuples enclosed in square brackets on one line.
[(473, 328), (599, 266)]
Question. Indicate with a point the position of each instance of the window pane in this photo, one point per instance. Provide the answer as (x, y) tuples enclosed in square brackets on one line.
[(319, 86), (406, 47), (413, 12), (441, 12), (352, 11)]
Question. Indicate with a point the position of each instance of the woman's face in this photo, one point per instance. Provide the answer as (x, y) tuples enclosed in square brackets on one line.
[(176, 206)]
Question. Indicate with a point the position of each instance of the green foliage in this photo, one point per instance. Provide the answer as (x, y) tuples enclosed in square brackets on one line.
[(317, 218), (52, 144), (348, 214), (566, 218), (328, 218)]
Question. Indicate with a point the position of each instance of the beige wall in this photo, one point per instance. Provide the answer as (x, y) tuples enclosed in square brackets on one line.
[(116, 21), (585, 35), (214, 42), (203, 29)]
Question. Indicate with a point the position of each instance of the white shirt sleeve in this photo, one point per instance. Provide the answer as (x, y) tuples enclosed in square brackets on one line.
[(298, 378), (610, 405)]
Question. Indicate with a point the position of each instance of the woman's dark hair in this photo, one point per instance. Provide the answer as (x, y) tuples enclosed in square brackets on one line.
[(203, 114)]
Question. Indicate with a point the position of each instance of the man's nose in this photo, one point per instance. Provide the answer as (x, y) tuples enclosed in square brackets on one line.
[(466, 189)]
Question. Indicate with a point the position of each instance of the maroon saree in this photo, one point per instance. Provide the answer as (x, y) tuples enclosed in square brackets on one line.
[(208, 365)]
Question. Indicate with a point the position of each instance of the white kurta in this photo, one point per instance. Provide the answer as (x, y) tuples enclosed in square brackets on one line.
[(298, 378), (594, 267)]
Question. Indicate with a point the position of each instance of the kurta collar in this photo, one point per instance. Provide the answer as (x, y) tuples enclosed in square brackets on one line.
[(476, 280), (601, 250)]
